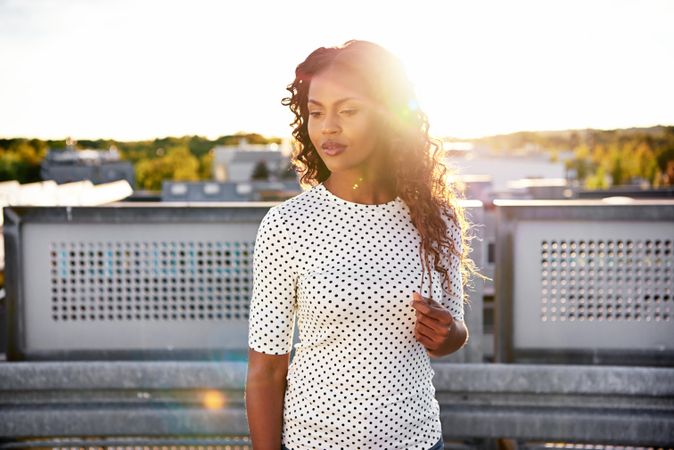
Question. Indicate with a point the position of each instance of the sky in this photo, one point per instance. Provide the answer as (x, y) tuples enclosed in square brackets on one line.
[(142, 69)]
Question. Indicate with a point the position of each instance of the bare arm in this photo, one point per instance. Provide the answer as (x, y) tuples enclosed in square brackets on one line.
[(265, 391)]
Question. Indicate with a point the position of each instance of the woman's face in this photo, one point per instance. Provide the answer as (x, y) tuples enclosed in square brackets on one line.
[(342, 122)]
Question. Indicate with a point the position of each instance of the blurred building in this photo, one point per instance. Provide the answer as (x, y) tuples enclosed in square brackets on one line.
[(538, 189), (240, 162), (98, 166), (527, 163), (229, 191), (473, 187), (628, 191)]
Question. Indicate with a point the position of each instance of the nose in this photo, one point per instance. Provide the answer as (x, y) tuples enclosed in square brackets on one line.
[(330, 124)]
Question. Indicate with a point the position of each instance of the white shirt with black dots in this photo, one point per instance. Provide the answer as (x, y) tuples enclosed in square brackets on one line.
[(358, 379)]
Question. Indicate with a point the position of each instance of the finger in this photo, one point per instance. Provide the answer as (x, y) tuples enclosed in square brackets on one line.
[(443, 317), (435, 334), (426, 314), (425, 341), (432, 301), (420, 336), (429, 332), (417, 298), (431, 308), (428, 300), (422, 306), (440, 314), (431, 316)]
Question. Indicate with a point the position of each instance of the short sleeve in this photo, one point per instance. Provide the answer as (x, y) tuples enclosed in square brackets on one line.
[(273, 301), (453, 300)]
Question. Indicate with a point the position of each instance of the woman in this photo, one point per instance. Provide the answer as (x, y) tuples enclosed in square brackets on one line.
[(369, 260)]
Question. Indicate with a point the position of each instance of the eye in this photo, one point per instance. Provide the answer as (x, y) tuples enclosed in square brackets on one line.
[(315, 114)]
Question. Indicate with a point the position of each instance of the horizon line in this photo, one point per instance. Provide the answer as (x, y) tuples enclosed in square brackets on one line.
[(269, 136)]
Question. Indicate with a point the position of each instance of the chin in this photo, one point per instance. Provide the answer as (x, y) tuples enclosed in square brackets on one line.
[(336, 168)]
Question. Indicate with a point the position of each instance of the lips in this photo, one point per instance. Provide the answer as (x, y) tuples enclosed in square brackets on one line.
[(332, 148)]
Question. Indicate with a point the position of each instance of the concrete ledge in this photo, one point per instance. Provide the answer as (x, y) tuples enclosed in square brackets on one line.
[(102, 420), (587, 426), (453, 377), (83, 375), (555, 378), (614, 405)]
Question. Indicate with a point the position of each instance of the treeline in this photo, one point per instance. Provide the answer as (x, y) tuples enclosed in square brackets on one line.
[(186, 158), (20, 159), (602, 158)]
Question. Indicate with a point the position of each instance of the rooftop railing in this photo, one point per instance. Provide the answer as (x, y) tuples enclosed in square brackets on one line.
[(97, 296)]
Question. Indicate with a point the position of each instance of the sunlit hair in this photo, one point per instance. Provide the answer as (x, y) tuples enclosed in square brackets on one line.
[(414, 159)]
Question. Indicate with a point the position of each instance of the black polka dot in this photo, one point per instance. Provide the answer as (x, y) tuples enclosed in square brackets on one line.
[(359, 379)]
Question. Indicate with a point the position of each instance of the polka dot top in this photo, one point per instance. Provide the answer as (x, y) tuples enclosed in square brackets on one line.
[(358, 379)]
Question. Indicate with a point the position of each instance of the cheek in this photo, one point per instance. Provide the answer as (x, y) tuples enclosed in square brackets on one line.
[(367, 127), (366, 133), (313, 131)]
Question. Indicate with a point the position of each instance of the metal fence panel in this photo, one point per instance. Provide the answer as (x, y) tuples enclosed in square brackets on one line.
[(129, 282), (137, 286), (144, 281), (585, 281)]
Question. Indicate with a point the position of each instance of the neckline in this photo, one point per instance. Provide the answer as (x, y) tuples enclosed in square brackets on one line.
[(329, 194)]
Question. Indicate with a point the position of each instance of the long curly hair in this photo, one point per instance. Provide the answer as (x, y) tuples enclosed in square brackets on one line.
[(414, 158)]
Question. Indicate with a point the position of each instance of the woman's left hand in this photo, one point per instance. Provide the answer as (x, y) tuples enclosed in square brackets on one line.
[(435, 327)]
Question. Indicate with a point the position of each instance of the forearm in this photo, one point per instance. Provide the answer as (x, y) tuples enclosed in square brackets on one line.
[(458, 336), (264, 408)]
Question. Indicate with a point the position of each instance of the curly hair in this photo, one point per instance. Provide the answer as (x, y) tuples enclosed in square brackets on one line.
[(414, 158)]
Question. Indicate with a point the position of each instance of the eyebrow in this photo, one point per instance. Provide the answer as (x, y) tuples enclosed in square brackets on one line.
[(342, 100)]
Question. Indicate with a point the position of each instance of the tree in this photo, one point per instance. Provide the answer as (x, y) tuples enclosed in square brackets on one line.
[(598, 180), (260, 172), (614, 164), (288, 172), (206, 166), (21, 161), (177, 164), (581, 163)]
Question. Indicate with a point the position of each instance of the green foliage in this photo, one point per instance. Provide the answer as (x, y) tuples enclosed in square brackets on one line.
[(626, 157), (260, 171), (20, 159), (177, 164), (188, 158), (597, 180), (206, 166), (602, 158)]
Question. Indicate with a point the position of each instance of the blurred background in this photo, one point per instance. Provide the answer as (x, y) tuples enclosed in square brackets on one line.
[(574, 90)]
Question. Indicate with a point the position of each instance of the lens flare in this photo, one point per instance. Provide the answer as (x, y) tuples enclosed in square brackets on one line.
[(214, 400)]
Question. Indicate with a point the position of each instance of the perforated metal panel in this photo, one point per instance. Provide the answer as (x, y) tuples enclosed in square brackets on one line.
[(175, 280), (158, 280), (586, 278), (606, 279), (137, 286)]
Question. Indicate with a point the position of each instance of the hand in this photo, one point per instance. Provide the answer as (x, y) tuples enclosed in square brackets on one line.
[(433, 328)]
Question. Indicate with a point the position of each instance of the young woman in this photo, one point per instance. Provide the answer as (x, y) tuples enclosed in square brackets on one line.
[(370, 259)]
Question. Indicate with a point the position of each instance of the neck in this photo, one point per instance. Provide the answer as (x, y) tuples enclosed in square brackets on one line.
[(359, 188)]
